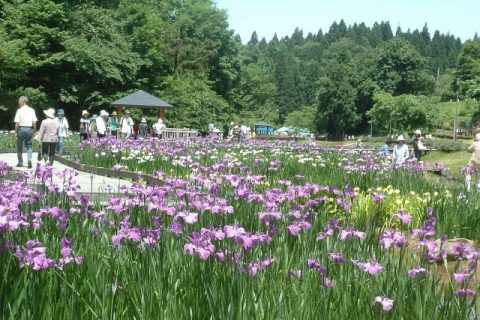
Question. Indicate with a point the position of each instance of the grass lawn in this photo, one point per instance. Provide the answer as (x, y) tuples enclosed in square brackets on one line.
[(452, 160)]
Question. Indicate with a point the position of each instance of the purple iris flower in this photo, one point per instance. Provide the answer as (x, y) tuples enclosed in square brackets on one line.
[(336, 257), (387, 303), (372, 267)]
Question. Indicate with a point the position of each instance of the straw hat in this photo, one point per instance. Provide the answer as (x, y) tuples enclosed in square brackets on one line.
[(400, 138), (50, 113), (85, 112), (114, 113), (144, 120), (418, 132)]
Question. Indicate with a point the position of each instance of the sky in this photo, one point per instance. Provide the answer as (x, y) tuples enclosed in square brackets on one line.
[(458, 17)]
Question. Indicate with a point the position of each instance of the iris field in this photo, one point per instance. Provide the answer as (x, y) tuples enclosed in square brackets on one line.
[(259, 230)]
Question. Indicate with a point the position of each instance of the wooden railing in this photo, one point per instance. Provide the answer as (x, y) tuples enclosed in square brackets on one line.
[(179, 133)]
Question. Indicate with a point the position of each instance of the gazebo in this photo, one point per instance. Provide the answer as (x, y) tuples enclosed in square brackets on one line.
[(262, 127), (142, 99)]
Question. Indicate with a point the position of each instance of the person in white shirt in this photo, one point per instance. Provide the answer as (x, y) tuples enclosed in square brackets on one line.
[(126, 126), (101, 124), (158, 128), (400, 151), (62, 130), (25, 125)]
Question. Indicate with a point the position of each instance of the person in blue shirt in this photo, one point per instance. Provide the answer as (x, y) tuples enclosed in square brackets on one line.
[(385, 149)]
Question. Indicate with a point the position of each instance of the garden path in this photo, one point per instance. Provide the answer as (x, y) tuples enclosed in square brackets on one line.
[(97, 184)]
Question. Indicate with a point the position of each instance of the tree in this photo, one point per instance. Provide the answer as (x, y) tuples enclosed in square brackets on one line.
[(468, 69), (336, 109), (400, 69), (303, 118), (399, 113), (196, 104), (253, 39)]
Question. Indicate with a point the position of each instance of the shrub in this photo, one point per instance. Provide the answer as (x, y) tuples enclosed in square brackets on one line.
[(449, 145)]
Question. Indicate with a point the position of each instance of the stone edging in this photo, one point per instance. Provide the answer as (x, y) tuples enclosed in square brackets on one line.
[(124, 175)]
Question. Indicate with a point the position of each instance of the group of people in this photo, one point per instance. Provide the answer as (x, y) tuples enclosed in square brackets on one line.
[(117, 126), (52, 133), (401, 151), (55, 128)]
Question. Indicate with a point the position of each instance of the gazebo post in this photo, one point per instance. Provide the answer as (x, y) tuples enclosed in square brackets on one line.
[(119, 112), (161, 113)]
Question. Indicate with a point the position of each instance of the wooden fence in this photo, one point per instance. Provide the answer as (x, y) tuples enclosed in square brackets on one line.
[(179, 133)]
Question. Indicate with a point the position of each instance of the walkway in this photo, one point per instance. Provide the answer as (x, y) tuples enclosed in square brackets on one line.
[(88, 184)]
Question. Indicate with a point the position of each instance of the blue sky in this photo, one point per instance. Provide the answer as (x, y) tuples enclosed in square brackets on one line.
[(458, 17)]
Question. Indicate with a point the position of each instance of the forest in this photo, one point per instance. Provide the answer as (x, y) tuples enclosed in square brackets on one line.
[(352, 78)]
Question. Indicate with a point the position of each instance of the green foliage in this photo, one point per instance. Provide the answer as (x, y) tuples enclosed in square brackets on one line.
[(468, 69), (302, 118), (253, 99), (84, 54), (395, 114), (196, 104), (449, 145), (399, 69)]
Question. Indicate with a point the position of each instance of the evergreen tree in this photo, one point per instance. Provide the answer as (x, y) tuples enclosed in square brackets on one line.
[(253, 39)]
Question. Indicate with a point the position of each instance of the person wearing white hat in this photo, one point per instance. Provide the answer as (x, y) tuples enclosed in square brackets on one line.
[(143, 128), (126, 126), (400, 151), (48, 135), (84, 125), (418, 145), (62, 130), (158, 128), (101, 124), (474, 163)]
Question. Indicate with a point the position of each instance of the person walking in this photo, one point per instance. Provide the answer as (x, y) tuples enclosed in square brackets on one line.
[(114, 124), (143, 128), (126, 126), (400, 151), (84, 125), (62, 130), (418, 145), (158, 128), (25, 125), (48, 135), (473, 163)]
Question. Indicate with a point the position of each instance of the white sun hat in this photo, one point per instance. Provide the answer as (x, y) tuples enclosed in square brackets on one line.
[(418, 131), (50, 113), (400, 138)]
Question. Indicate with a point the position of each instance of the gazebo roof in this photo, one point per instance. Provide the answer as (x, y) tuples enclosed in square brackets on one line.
[(262, 124), (141, 99)]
